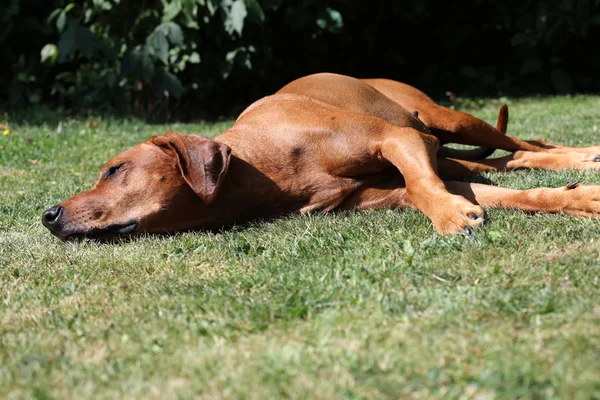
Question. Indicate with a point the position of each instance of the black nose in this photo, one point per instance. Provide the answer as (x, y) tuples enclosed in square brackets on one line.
[(51, 216)]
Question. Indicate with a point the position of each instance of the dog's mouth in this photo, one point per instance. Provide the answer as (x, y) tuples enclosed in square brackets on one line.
[(113, 231)]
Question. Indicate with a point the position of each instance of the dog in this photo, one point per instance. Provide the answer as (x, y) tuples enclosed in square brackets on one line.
[(322, 143)]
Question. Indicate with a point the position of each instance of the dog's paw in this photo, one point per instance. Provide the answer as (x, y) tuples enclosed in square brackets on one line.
[(458, 215), (571, 160), (585, 161), (581, 200)]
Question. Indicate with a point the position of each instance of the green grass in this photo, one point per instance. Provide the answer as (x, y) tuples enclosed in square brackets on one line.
[(351, 305)]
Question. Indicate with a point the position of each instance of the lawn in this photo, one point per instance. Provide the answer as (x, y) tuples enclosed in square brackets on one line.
[(350, 305)]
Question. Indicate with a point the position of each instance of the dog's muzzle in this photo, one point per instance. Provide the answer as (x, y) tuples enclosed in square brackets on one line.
[(53, 219)]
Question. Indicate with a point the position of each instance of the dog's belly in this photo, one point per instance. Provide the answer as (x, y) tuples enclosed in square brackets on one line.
[(327, 194), (383, 189)]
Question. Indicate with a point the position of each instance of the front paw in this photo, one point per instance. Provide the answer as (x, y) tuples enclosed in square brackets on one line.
[(458, 215)]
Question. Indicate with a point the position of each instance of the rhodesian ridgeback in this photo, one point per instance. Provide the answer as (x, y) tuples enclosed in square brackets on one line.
[(323, 142)]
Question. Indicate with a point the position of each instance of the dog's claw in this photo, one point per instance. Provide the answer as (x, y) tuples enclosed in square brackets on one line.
[(462, 216), (465, 231), (572, 185)]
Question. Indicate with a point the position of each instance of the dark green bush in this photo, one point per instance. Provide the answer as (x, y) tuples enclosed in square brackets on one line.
[(212, 57), (23, 33)]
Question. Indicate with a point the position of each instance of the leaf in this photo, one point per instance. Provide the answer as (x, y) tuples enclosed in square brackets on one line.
[(240, 56), (255, 12), (61, 21), (159, 45), (76, 38), (138, 64), (175, 33), (331, 20), (69, 7), (89, 14), (230, 56), (171, 10), (108, 50), (53, 15), (49, 51), (66, 45), (235, 15), (85, 40), (130, 63), (194, 58), (170, 84), (336, 17), (212, 6)]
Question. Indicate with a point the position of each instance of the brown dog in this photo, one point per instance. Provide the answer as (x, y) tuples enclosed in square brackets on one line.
[(323, 142)]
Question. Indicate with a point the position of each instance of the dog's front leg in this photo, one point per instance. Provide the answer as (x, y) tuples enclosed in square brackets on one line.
[(414, 154), (518, 160)]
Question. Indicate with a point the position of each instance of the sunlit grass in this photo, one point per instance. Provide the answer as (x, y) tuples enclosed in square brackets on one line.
[(349, 305)]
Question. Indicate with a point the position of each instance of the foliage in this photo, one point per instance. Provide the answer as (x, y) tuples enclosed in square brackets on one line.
[(195, 57), (23, 32)]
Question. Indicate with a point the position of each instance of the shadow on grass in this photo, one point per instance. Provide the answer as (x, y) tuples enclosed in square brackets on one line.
[(46, 115)]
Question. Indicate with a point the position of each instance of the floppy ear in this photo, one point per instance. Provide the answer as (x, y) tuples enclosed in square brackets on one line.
[(203, 162)]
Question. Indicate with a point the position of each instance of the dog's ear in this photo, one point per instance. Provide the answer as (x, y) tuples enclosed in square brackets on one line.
[(203, 162)]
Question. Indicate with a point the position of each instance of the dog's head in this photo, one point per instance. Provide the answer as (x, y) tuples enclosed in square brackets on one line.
[(164, 184)]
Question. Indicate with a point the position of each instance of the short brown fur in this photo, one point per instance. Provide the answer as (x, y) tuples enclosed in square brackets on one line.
[(323, 142)]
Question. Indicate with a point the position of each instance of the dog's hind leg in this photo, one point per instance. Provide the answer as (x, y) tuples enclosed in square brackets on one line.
[(561, 149), (520, 160), (583, 200), (452, 126)]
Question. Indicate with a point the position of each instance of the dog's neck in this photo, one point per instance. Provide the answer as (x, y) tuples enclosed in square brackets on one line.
[(247, 193)]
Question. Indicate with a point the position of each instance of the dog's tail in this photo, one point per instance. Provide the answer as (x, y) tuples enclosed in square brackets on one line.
[(478, 153), (502, 122)]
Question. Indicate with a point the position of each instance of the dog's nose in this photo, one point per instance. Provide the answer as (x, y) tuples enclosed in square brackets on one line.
[(51, 216)]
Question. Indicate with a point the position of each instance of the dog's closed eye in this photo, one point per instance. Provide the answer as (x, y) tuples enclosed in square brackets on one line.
[(112, 170)]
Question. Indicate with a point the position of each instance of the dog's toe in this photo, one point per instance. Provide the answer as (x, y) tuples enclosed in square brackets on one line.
[(468, 217)]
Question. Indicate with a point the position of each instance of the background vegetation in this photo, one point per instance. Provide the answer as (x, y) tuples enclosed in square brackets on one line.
[(193, 58)]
